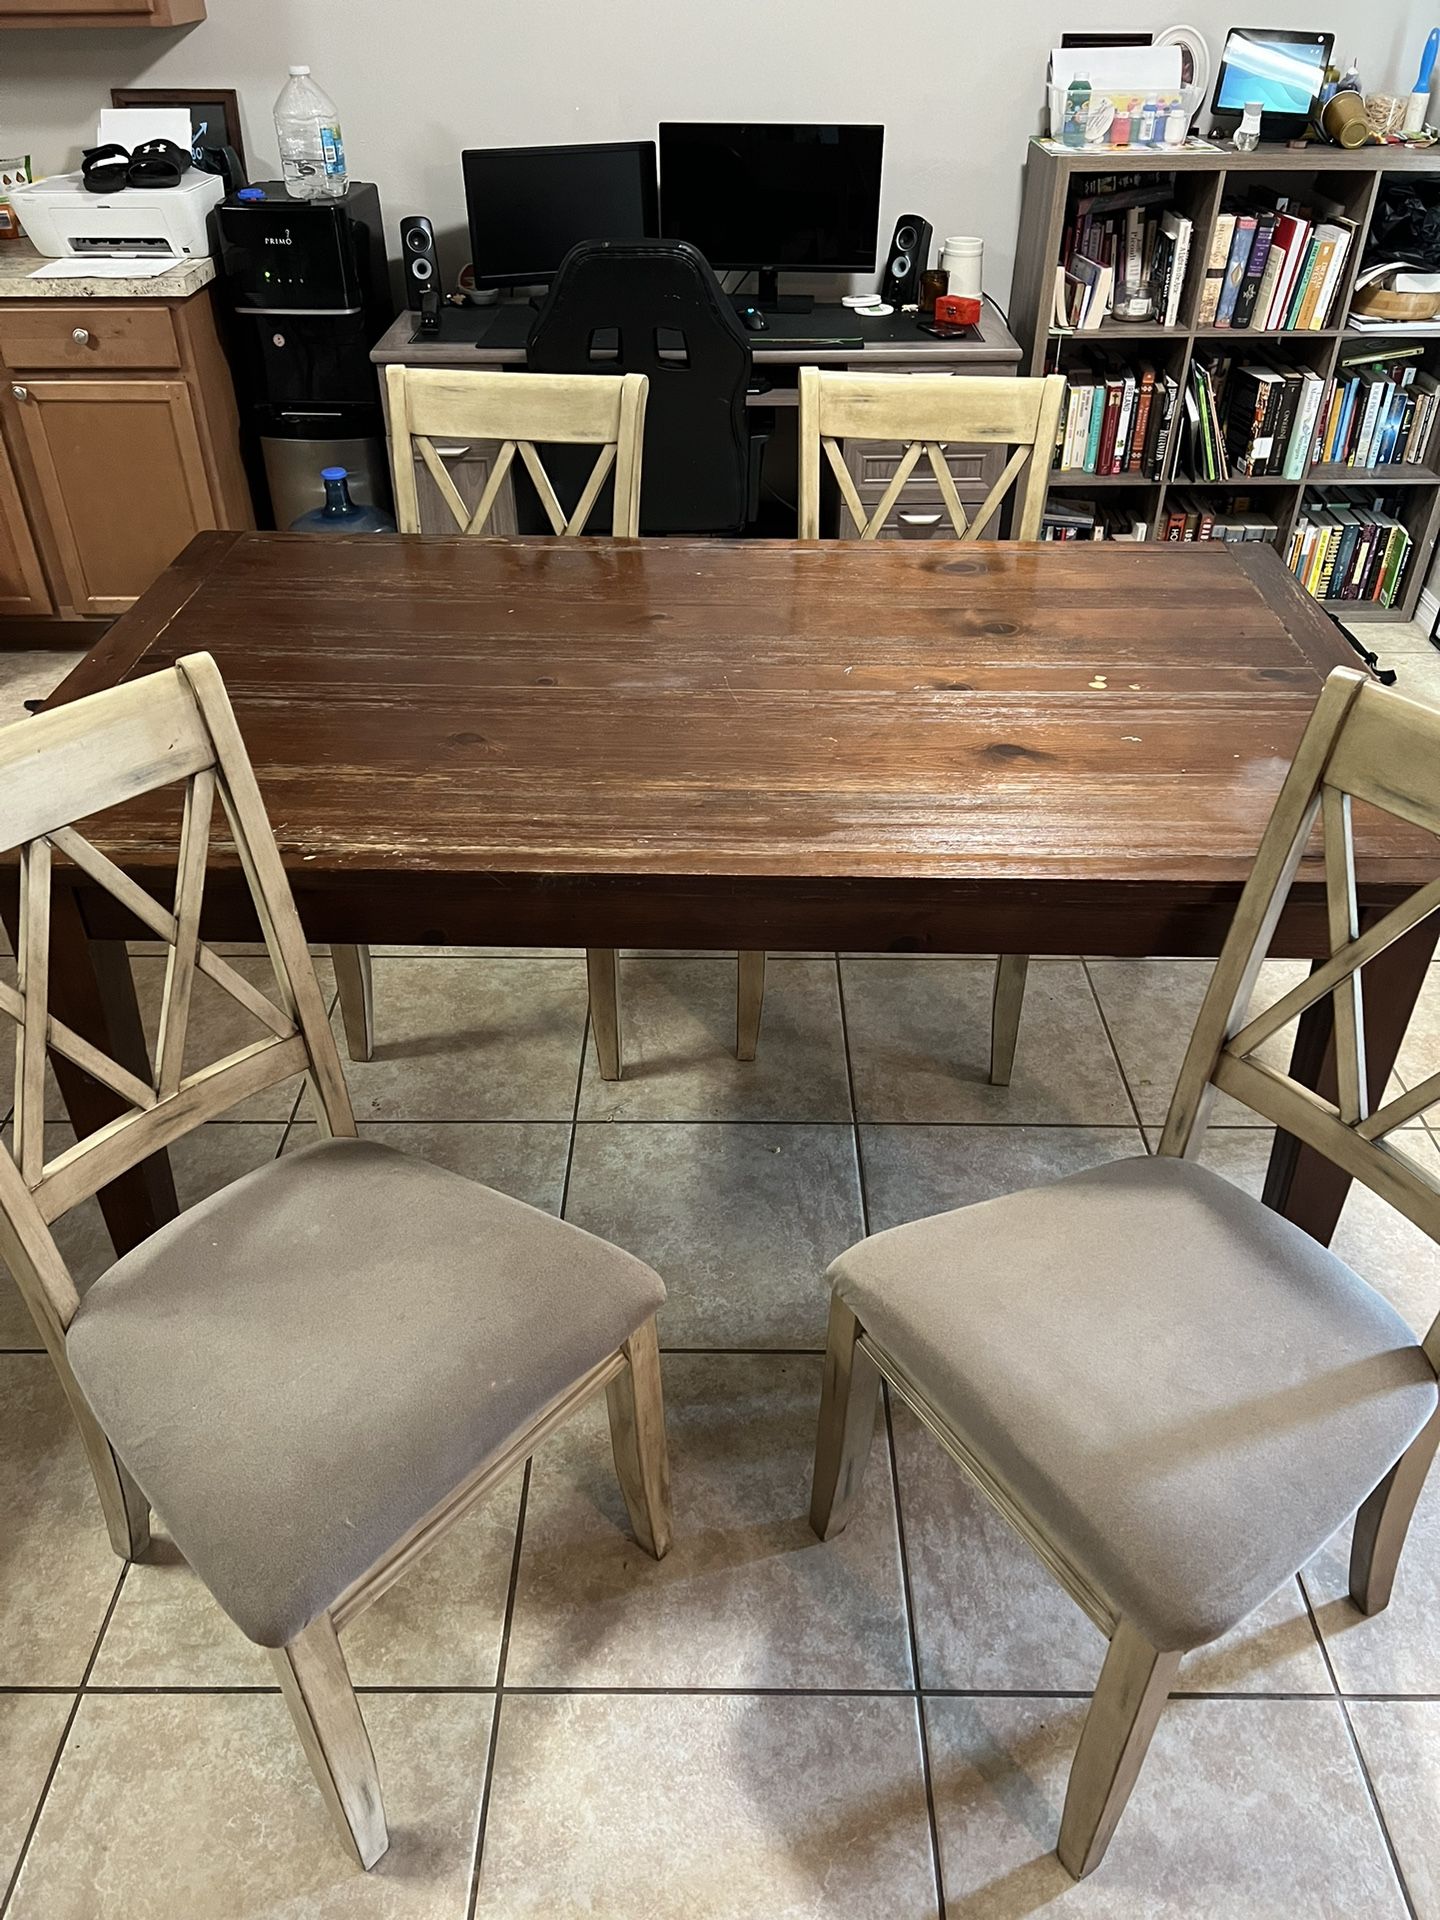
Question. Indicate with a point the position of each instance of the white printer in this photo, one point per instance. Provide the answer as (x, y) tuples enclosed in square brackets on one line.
[(65, 220)]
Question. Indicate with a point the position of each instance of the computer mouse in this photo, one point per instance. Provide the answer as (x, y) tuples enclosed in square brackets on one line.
[(755, 321)]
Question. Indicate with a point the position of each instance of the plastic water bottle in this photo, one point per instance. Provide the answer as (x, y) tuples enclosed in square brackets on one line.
[(1077, 111), (340, 514), (312, 153)]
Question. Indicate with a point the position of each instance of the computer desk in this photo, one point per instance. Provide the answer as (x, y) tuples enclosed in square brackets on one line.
[(495, 337)]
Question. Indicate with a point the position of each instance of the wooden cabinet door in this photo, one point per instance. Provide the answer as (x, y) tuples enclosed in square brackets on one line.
[(122, 481), (22, 579)]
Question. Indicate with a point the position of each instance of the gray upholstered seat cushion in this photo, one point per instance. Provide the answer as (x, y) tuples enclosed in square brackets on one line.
[(1188, 1392), (299, 1368)]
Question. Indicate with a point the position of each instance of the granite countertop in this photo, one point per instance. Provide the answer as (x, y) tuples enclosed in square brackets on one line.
[(19, 259)]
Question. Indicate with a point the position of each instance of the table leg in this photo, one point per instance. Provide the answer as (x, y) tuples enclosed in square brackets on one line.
[(1300, 1183), (93, 990)]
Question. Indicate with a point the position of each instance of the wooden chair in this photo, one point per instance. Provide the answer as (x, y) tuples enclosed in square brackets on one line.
[(926, 412), (1172, 1393), (517, 410), (316, 1372)]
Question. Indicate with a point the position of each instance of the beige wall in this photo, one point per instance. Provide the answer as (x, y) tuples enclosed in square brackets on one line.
[(958, 83)]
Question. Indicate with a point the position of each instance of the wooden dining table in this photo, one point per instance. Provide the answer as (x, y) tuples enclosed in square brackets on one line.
[(905, 747)]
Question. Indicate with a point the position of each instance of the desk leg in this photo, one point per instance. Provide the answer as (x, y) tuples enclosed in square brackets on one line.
[(93, 990), (1301, 1183)]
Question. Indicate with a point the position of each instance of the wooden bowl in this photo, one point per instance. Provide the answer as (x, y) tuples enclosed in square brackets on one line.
[(1379, 303)]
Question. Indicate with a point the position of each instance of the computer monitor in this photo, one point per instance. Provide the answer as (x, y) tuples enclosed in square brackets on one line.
[(774, 197), (529, 205)]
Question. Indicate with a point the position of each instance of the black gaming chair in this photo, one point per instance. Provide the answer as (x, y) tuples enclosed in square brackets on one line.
[(655, 307)]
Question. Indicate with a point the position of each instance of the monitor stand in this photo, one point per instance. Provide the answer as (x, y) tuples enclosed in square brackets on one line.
[(770, 299)]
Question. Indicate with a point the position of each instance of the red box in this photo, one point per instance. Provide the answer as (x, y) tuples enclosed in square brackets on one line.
[(957, 310)]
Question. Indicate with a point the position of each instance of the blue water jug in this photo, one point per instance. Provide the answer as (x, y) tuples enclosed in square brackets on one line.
[(340, 513)]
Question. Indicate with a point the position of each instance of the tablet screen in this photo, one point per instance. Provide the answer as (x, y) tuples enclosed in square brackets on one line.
[(1284, 72)]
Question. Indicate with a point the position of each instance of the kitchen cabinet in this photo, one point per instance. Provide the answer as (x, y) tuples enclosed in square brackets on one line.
[(22, 579), (121, 481), (100, 13), (120, 443)]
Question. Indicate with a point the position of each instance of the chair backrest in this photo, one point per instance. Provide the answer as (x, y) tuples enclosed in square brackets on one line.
[(598, 410), (925, 411), (655, 307), (170, 728), (1363, 742)]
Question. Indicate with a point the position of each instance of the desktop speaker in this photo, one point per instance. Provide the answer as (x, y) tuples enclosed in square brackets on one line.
[(422, 269), (906, 259)]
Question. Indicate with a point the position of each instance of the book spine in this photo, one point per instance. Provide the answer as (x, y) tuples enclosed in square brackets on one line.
[(1144, 401), (1096, 428), (1170, 400), (1235, 268), (1306, 321), (1177, 272), (1302, 433), (1300, 287), (1120, 450), (1269, 280), (1245, 300), (1106, 448), (1327, 561), (1220, 241)]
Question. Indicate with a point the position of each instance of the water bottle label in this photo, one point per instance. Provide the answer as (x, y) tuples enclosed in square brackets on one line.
[(333, 148)]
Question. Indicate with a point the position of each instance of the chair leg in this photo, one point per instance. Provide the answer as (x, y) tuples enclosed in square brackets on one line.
[(848, 1399), (749, 1001), (357, 999), (1135, 1683), (602, 966), (316, 1684), (126, 1510), (1384, 1520), (637, 1435), (1009, 998)]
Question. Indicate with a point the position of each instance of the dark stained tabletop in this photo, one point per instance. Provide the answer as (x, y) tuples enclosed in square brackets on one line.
[(822, 741)]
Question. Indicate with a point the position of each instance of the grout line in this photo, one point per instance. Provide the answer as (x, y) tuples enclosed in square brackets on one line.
[(499, 1692), (1115, 1054), (1357, 1751), (62, 1743), (463, 1690)]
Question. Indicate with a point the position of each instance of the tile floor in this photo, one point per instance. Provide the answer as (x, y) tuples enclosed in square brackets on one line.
[(760, 1725)]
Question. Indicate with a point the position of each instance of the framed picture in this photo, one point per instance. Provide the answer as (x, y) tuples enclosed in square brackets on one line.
[(214, 111)]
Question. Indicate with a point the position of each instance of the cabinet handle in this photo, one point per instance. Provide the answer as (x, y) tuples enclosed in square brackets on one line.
[(81, 336), (452, 453), (21, 393)]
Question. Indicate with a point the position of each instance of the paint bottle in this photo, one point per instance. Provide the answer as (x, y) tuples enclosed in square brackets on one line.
[(1147, 124), (1120, 126)]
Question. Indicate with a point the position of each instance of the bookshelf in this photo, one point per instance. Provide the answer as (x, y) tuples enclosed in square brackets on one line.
[(1204, 183)]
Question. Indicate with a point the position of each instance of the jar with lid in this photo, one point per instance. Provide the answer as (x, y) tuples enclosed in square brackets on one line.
[(963, 261)]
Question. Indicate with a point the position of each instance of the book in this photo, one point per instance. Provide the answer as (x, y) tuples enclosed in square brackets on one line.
[(1178, 229), (1095, 426), (1322, 249), (1302, 432), (1246, 299), (1119, 452), (1144, 400), (1269, 280), (1098, 280), (1376, 392), (1292, 238), (1235, 265), (1337, 234), (1300, 286), (1215, 261)]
